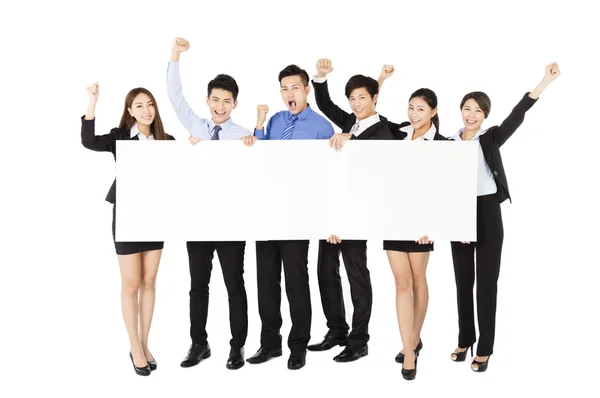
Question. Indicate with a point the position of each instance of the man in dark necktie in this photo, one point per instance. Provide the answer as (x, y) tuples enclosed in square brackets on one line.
[(364, 123), (221, 100), (215, 132)]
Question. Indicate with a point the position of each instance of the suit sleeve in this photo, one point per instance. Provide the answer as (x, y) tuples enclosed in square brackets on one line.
[(100, 143), (395, 130), (326, 105), (513, 121)]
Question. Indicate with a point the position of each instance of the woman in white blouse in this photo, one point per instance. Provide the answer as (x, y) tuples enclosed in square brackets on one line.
[(492, 189)]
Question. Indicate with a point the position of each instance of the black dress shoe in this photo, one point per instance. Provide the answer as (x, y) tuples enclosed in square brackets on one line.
[(327, 343), (196, 353), (460, 356), (152, 364), (400, 356), (349, 354), (297, 360), (236, 358), (145, 371), (410, 374), (479, 367), (264, 354)]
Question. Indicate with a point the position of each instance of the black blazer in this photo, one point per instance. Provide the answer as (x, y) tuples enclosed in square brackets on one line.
[(345, 121), (400, 135), (495, 137), (105, 143)]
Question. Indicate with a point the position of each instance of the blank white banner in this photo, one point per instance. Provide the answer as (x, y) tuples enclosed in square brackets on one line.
[(301, 189)]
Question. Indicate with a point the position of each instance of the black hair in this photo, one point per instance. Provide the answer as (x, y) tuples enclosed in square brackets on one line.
[(224, 82), (431, 99), (294, 70)]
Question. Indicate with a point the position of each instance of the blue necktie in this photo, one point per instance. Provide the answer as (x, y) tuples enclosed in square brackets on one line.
[(289, 129), (216, 130)]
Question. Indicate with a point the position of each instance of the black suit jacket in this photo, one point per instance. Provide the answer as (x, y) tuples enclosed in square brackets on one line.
[(496, 136), (345, 120), (400, 135), (105, 143)]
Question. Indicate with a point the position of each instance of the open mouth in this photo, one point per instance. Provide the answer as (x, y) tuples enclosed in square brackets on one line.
[(292, 105), (219, 113)]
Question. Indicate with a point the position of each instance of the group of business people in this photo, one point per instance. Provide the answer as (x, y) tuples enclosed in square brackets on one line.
[(139, 261)]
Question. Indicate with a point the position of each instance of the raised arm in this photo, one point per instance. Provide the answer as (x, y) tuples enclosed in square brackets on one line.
[(188, 118), (261, 118), (333, 112), (93, 91), (89, 139), (386, 71), (516, 117), (552, 72)]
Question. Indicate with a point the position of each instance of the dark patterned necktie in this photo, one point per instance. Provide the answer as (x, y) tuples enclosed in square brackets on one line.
[(216, 132)]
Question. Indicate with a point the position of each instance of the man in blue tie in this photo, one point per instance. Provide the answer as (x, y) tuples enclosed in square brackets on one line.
[(221, 100), (298, 122)]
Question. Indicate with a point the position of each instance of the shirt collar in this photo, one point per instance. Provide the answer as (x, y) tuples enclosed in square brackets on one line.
[(302, 115), (367, 122), (135, 131), (429, 135), (457, 136), (364, 124), (226, 125)]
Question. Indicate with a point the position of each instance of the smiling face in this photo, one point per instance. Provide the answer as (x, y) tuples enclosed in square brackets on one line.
[(294, 94), (221, 103), (420, 113), (361, 103), (142, 109), (472, 114)]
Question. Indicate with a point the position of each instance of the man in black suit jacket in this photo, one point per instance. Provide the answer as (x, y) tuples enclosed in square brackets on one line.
[(364, 123)]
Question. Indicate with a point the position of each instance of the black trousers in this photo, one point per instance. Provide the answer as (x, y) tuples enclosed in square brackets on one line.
[(482, 256), (354, 254), (231, 257), (269, 257)]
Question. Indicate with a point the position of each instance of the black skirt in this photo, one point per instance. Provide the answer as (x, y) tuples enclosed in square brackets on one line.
[(132, 247), (407, 246)]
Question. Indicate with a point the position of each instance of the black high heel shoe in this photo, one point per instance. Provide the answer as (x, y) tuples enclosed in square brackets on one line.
[(462, 355), (410, 374), (481, 366), (153, 365), (400, 356), (145, 371)]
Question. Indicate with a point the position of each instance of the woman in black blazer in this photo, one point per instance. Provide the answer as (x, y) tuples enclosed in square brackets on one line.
[(138, 261), (409, 259), (492, 189)]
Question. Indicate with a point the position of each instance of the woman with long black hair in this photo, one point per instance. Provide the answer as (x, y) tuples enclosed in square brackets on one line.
[(138, 261)]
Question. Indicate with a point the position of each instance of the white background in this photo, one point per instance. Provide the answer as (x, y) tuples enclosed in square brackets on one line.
[(61, 328)]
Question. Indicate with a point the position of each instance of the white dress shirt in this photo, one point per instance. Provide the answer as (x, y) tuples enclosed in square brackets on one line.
[(429, 135), (136, 131), (361, 125), (486, 185), (194, 124)]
